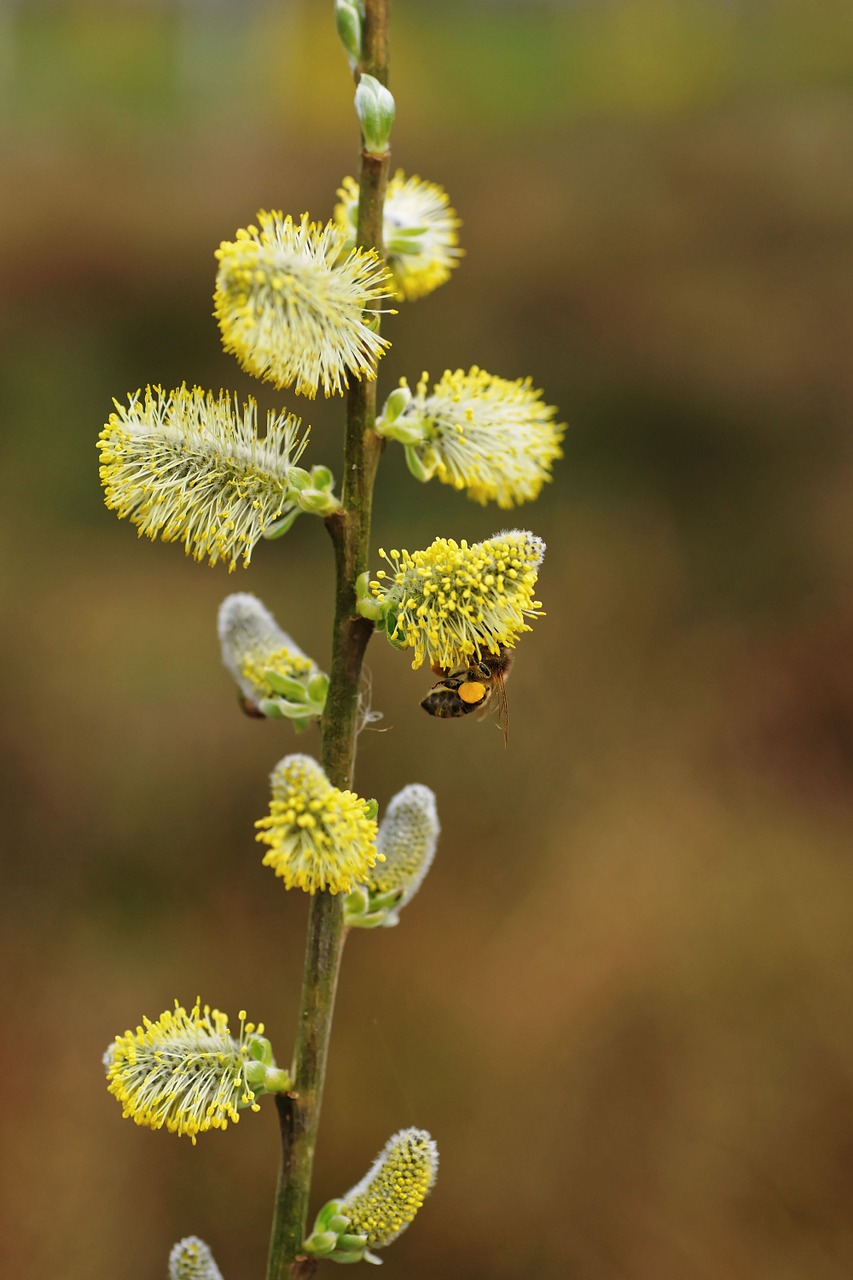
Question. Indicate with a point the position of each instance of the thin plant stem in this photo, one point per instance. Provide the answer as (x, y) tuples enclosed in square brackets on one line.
[(299, 1111)]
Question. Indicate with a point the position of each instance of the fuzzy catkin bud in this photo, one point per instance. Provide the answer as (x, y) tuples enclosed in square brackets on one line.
[(252, 640), (271, 670), (191, 1259), (408, 835), (385, 1202)]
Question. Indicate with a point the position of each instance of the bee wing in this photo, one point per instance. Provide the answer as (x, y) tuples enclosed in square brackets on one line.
[(503, 709), (495, 689)]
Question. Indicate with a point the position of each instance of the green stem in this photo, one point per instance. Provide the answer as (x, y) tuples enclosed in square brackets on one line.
[(299, 1111)]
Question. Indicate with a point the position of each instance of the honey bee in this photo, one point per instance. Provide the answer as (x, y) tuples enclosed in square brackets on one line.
[(472, 688)]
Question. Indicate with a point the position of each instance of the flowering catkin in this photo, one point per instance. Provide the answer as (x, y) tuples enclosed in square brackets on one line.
[(188, 466), (453, 600), (320, 838), (419, 232), (493, 438), (289, 300), (183, 1071)]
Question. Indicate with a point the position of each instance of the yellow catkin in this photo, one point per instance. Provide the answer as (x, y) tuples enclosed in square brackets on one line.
[(492, 438), (319, 837), (453, 600), (290, 300), (188, 466), (183, 1072), (419, 229)]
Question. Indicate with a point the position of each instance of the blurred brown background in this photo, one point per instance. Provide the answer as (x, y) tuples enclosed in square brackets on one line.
[(622, 1001)]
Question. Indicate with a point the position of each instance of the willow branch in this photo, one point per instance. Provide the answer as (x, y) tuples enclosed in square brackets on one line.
[(299, 1111)]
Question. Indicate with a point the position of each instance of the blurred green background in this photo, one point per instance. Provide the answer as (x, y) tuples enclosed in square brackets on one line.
[(622, 1001)]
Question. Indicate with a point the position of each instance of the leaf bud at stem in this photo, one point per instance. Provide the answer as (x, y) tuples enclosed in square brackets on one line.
[(397, 403), (281, 527), (321, 478), (318, 502), (349, 21), (374, 105), (415, 464), (320, 1243), (365, 605)]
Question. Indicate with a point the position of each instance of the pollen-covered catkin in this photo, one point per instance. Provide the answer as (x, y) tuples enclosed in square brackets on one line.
[(453, 600), (408, 835), (319, 837), (187, 466), (492, 438), (183, 1072), (290, 300), (419, 232), (386, 1200)]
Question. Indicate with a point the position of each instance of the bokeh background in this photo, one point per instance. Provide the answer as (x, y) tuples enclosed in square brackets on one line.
[(622, 1001)]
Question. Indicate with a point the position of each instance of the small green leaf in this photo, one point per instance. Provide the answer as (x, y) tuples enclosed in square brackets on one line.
[(293, 710), (280, 527), (322, 478), (385, 901), (260, 1049), (397, 403), (318, 502), (298, 478), (331, 1209), (415, 465), (320, 1243), (356, 900), (370, 920), (277, 1080), (349, 1243), (270, 708), (406, 431), (318, 688), (370, 609), (391, 622), (287, 685)]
